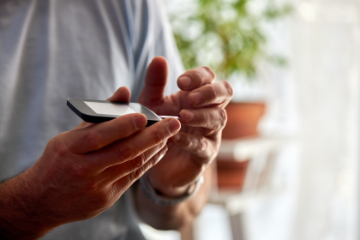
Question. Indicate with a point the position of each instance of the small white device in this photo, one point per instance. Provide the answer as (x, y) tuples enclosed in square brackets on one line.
[(97, 111)]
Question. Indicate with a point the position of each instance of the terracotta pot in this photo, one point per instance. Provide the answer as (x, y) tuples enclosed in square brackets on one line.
[(243, 118), (231, 174)]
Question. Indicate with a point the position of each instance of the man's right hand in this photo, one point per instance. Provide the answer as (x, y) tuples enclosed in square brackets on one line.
[(81, 173)]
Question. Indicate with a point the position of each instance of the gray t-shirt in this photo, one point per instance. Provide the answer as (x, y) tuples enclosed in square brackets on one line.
[(51, 50)]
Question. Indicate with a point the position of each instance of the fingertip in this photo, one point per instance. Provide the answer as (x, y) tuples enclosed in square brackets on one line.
[(174, 125), (155, 82), (124, 88), (123, 94), (186, 116), (158, 62), (140, 121), (159, 58), (184, 82)]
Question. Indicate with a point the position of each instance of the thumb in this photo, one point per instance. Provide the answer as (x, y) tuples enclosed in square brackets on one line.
[(155, 82), (123, 94)]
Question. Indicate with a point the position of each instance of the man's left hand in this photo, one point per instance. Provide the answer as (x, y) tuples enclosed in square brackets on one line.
[(200, 106)]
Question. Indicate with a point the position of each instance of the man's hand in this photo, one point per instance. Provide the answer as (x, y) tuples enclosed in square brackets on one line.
[(200, 105), (82, 173)]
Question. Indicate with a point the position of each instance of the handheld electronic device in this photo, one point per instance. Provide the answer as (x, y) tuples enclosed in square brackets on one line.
[(97, 111)]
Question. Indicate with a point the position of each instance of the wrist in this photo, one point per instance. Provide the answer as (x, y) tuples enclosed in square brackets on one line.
[(173, 192), (19, 216), (167, 190), (172, 197)]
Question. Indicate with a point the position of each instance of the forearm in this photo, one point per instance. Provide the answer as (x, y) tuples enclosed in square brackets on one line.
[(177, 216), (19, 218)]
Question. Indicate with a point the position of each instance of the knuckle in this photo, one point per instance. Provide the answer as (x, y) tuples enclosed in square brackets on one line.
[(147, 154), (153, 162), (207, 124), (210, 124), (213, 92), (138, 161), (202, 145), (137, 174), (92, 187), (223, 117), (103, 198), (229, 88), (188, 143), (197, 76), (132, 177), (79, 170), (162, 145), (142, 159)]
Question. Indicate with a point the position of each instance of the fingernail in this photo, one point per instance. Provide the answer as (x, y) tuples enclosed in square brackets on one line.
[(140, 122), (197, 98), (185, 81), (173, 125)]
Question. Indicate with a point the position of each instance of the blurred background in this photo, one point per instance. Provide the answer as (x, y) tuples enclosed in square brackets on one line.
[(288, 167)]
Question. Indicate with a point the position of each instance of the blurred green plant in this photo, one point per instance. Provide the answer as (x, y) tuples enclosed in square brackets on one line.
[(226, 35)]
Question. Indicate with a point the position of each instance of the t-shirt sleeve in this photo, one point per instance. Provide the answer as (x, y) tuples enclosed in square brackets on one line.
[(153, 36)]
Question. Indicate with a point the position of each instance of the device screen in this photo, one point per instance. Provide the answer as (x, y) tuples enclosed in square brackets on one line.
[(109, 108), (97, 111)]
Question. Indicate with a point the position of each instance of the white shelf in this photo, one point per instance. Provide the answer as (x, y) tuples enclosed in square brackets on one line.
[(245, 149)]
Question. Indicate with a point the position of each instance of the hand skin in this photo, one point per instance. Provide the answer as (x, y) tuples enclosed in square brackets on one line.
[(82, 173), (200, 105)]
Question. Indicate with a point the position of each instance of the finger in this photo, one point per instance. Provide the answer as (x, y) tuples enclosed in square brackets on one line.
[(84, 125), (99, 135), (133, 146), (124, 183), (155, 82), (203, 149), (196, 78), (123, 94), (112, 174), (210, 118), (217, 93)]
